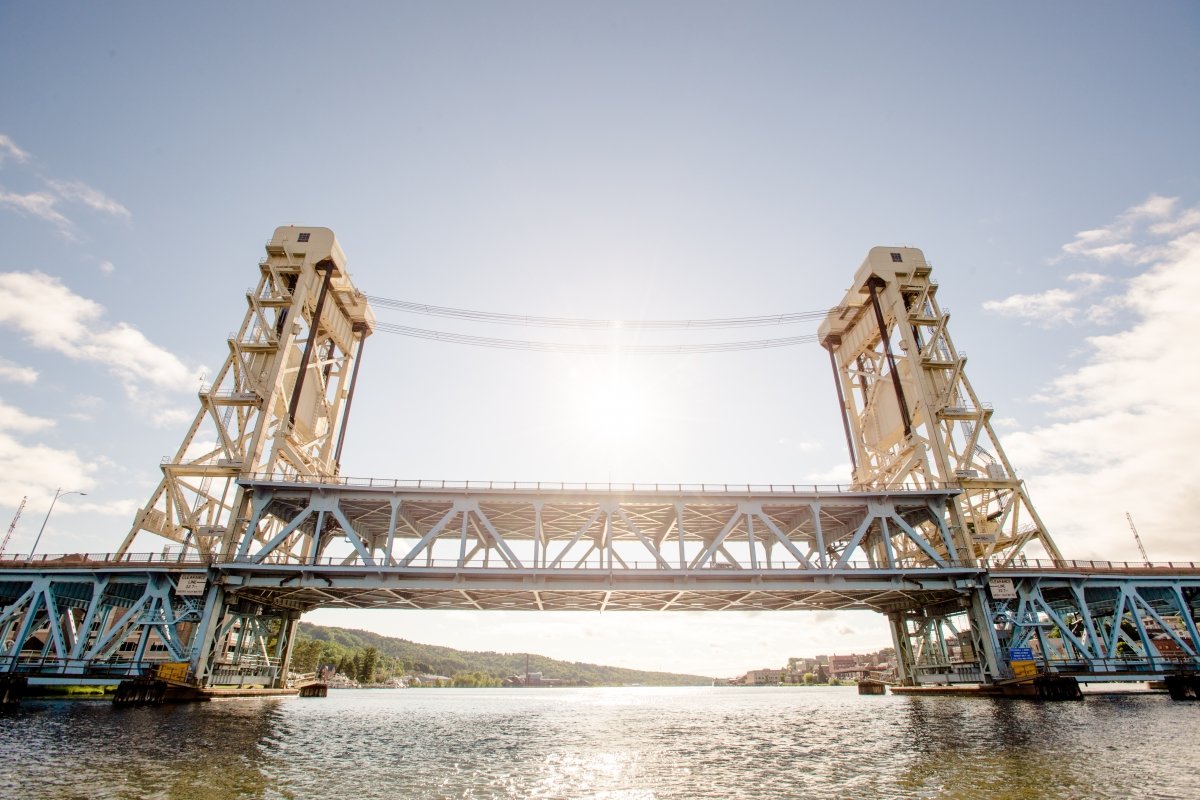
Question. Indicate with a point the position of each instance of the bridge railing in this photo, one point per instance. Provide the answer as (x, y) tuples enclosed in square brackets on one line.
[(81, 667), (626, 565), (1044, 565), (54, 560), (196, 560), (567, 486), (1131, 663), (1095, 566)]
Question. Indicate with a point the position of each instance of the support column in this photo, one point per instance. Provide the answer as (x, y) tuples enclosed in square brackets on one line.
[(203, 639), (289, 622), (905, 660), (983, 634)]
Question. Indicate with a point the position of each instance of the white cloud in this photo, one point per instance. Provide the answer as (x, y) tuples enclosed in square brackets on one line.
[(1128, 429), (170, 417), (1126, 239), (1114, 242), (109, 508), (14, 419), (107, 267), (17, 373), (1155, 207), (1188, 220), (1089, 280), (839, 474), (91, 197), (42, 205), (53, 317), (9, 149), (47, 204), (37, 470), (1049, 307)]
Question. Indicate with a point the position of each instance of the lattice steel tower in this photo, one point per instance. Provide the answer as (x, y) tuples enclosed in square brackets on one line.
[(279, 404), (910, 415)]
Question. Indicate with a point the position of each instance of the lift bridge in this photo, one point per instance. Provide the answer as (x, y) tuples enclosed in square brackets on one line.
[(936, 531)]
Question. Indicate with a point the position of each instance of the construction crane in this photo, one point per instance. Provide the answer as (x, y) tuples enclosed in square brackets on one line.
[(1132, 527), (13, 526)]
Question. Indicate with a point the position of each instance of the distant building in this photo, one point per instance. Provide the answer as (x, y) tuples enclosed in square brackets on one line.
[(764, 677)]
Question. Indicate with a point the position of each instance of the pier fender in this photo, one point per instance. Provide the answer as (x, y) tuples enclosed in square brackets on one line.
[(12, 689), (1057, 687), (1184, 687)]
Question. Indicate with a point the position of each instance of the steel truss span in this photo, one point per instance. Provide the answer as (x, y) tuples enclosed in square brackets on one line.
[(449, 548)]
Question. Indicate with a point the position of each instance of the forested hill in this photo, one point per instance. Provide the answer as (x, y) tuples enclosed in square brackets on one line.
[(399, 656)]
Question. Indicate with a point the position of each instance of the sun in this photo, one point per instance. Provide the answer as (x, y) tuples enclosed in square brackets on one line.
[(609, 407)]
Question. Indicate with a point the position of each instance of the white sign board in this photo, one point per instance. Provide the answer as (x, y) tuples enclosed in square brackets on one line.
[(1002, 588), (192, 585)]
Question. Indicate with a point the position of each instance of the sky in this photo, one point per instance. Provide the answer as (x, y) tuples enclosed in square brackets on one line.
[(618, 161)]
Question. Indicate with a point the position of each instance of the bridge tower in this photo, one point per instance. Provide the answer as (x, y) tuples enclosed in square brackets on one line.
[(912, 420), (277, 408), (911, 417), (279, 404)]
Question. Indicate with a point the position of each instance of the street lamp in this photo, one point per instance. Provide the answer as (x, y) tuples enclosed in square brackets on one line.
[(57, 494)]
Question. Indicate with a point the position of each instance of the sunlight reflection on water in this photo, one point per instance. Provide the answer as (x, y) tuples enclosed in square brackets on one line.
[(604, 744)]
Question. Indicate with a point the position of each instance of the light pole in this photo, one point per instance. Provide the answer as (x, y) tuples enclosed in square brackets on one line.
[(57, 494)]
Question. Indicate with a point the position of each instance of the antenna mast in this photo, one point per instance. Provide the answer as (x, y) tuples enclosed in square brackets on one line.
[(1137, 538), (13, 526)]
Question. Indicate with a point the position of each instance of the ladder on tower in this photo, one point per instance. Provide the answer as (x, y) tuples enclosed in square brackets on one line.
[(13, 526)]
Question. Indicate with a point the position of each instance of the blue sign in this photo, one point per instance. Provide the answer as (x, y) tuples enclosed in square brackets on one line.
[(1020, 654)]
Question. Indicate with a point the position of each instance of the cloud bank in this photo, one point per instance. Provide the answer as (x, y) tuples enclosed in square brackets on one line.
[(52, 317), (1125, 427), (47, 203)]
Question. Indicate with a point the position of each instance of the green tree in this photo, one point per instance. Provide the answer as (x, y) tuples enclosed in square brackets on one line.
[(369, 660), (305, 654)]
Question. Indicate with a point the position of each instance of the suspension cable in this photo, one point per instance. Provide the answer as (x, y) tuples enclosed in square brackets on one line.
[(596, 324), (592, 349)]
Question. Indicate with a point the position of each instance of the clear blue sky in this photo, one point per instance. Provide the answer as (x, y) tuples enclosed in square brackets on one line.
[(663, 160)]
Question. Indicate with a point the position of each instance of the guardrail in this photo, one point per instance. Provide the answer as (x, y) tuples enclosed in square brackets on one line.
[(594, 564), (567, 486), (195, 560), (1130, 664), (1040, 565), (81, 667), (52, 560), (1092, 566)]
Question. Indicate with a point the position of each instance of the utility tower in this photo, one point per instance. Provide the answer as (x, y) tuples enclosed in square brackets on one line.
[(912, 419), (279, 404), (17, 517)]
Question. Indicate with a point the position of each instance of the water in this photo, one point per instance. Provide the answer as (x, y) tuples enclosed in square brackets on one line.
[(606, 744)]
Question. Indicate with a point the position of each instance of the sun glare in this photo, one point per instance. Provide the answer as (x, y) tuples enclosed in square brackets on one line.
[(609, 407)]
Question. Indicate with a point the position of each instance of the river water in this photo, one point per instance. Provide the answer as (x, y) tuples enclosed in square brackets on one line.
[(611, 744)]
